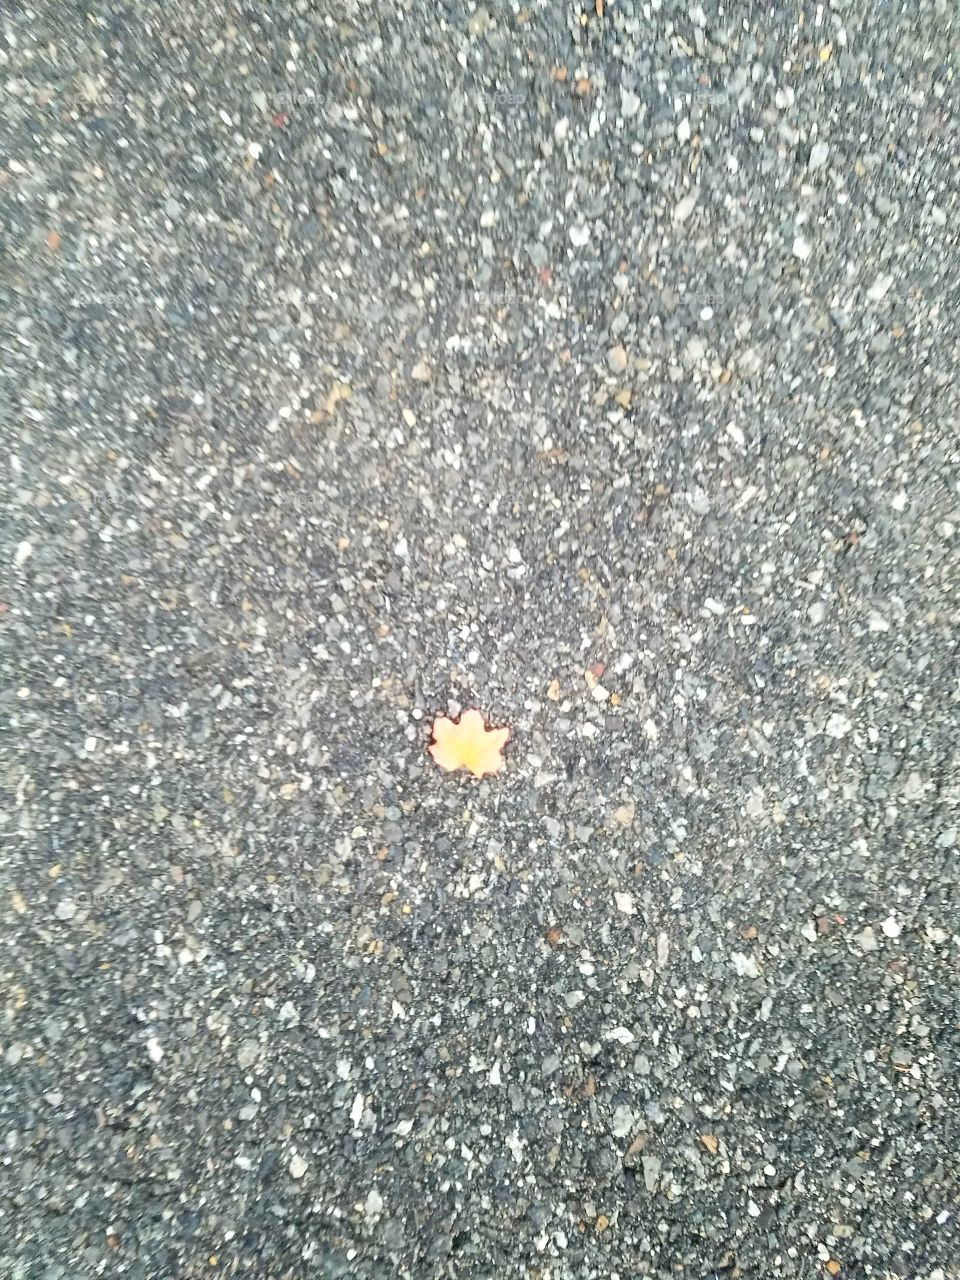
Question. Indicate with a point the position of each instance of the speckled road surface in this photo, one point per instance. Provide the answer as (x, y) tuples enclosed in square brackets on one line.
[(596, 368)]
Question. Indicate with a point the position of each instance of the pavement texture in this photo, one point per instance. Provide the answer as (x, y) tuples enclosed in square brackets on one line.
[(596, 368)]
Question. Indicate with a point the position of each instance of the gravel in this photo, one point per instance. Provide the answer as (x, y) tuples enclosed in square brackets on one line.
[(319, 427)]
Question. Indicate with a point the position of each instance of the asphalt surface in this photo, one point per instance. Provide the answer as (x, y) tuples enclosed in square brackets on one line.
[(596, 369)]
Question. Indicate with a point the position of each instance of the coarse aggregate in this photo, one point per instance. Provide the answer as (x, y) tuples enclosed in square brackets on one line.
[(594, 366)]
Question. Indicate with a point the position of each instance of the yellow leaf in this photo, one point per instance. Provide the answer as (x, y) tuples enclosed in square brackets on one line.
[(468, 744)]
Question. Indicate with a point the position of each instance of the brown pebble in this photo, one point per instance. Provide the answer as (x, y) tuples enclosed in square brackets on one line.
[(617, 359), (634, 1149)]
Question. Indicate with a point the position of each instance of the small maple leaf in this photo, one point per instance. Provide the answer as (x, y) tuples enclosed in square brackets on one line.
[(468, 744)]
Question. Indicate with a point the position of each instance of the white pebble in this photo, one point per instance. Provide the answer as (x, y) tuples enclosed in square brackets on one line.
[(686, 206), (838, 726), (914, 786), (22, 554), (298, 1166), (154, 1049), (818, 156), (620, 1034), (623, 1121), (745, 966), (802, 249), (373, 1205), (629, 103), (579, 235), (879, 289), (624, 903), (890, 927)]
